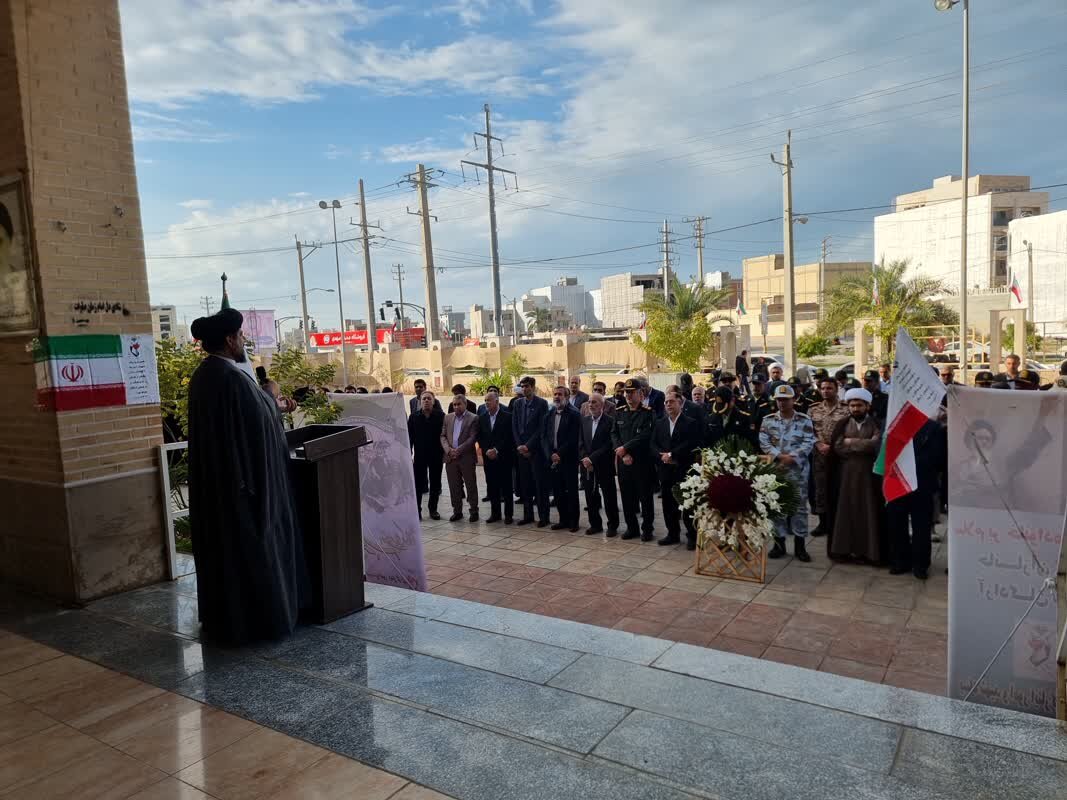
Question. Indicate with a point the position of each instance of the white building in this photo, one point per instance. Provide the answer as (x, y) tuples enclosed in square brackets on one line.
[(620, 293), (598, 306), (719, 279), (483, 324), (1047, 239), (925, 228), (454, 321), (166, 325), (569, 295)]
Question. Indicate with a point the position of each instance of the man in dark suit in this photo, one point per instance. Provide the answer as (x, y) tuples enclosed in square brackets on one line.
[(527, 417), (674, 440), (597, 459), (654, 398), (601, 388), (459, 388), (497, 442), (690, 408), (578, 397), (414, 404), (560, 431)]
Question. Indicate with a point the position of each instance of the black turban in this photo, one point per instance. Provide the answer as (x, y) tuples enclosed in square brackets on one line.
[(212, 331)]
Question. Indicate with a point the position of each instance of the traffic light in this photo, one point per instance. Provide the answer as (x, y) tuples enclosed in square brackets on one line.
[(300, 325), (381, 313)]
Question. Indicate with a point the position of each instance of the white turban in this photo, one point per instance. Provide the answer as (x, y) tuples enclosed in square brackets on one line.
[(858, 394)]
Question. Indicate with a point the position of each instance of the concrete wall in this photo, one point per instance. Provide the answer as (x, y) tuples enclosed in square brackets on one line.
[(1048, 235)]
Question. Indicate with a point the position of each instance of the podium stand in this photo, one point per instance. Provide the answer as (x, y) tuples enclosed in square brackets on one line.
[(324, 467)]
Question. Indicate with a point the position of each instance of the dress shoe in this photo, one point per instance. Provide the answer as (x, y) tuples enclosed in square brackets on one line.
[(558, 526), (920, 573), (669, 540), (629, 535), (779, 548), (612, 533), (474, 516), (455, 518), (493, 518), (434, 515), (592, 531), (420, 513), (485, 499), (899, 570), (542, 523), (525, 521), (573, 529), (508, 520), (647, 537), (800, 551), (691, 544), (815, 534)]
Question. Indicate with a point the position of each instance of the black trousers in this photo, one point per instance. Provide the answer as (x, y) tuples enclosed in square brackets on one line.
[(636, 483), (600, 484), (672, 512), (498, 487), (533, 486), (564, 477), (917, 508), (428, 478)]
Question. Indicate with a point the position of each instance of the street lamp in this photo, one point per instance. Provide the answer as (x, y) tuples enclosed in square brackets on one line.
[(946, 5), (278, 331), (333, 206)]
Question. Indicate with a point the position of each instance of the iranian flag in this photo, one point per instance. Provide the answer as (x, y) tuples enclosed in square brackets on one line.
[(78, 372), (915, 396), (741, 310), (1016, 289)]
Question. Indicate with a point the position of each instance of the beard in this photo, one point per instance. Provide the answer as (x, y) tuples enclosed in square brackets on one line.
[(240, 357), (859, 416)]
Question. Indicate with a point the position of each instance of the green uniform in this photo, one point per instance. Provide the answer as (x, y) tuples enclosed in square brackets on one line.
[(633, 430)]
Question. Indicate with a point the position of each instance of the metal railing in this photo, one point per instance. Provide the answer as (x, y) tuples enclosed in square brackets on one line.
[(170, 513)]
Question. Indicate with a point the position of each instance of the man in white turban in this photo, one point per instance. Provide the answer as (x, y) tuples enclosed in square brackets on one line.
[(859, 531)]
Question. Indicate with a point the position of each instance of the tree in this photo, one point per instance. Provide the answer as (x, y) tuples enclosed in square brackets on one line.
[(1034, 343), (679, 329), (812, 344), (540, 319), (175, 365), (901, 302), (290, 368)]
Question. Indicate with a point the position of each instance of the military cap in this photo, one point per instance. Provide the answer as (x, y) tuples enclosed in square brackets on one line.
[(784, 391), (1028, 377), (632, 383), (759, 377), (871, 375), (984, 376), (821, 374), (724, 393)]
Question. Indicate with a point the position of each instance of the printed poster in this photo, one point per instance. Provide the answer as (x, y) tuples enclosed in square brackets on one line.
[(392, 535), (138, 360), (1007, 486)]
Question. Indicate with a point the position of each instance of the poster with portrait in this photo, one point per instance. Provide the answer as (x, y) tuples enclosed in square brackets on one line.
[(1007, 477), (18, 305)]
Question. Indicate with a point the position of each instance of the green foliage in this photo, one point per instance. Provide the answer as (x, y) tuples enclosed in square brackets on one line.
[(291, 370), (679, 330), (485, 379), (812, 344), (1034, 343), (540, 320), (514, 366), (175, 365), (902, 303)]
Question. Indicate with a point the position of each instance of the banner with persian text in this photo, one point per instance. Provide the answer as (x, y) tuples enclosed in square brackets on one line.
[(1007, 472), (392, 535)]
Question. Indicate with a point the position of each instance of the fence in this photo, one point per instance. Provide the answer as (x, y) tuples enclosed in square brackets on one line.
[(170, 512)]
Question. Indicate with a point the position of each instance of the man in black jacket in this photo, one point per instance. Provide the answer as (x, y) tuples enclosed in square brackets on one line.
[(674, 441), (597, 460), (414, 404), (727, 418), (497, 442), (527, 417), (559, 438), (912, 554), (459, 388), (872, 382), (741, 369), (424, 434), (631, 433)]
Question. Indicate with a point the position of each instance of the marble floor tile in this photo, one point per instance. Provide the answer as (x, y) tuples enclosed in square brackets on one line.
[(103, 774), (144, 716), (85, 704), (252, 767), (17, 653), (506, 655), (179, 742), (47, 677), (338, 778), (415, 792), (170, 789), (18, 720), (40, 754), (170, 610)]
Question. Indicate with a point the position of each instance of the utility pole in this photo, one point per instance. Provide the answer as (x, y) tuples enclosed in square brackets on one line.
[(1029, 280), (304, 295), (494, 251), (207, 303), (433, 322), (787, 234), (666, 262), (372, 332), (822, 272), (398, 276), (698, 233)]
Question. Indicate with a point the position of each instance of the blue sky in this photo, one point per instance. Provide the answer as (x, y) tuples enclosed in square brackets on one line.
[(247, 113)]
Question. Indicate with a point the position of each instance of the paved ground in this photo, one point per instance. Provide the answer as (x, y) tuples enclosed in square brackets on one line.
[(851, 620)]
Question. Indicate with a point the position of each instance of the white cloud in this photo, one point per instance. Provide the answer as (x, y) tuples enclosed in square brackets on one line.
[(196, 204), (300, 194), (334, 152), (149, 126)]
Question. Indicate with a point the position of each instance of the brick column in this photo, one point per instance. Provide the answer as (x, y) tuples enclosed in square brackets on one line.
[(78, 489)]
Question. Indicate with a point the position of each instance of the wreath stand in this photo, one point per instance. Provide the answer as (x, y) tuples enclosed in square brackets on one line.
[(741, 564)]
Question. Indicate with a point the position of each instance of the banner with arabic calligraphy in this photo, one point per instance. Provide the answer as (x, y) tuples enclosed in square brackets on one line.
[(1007, 472)]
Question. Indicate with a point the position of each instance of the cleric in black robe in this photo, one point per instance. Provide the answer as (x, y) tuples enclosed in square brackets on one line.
[(249, 558)]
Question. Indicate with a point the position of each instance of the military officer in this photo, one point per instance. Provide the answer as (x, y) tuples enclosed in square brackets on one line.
[(788, 437), (728, 418), (631, 434), (759, 404), (872, 382), (813, 394)]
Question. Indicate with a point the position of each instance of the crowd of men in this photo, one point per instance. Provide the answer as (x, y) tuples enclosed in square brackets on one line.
[(586, 450)]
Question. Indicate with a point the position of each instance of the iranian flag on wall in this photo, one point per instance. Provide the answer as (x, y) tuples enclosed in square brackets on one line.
[(77, 372)]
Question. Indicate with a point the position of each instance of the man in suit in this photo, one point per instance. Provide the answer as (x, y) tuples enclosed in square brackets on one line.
[(527, 417), (690, 408), (460, 389), (559, 438), (597, 458), (601, 388), (653, 398), (674, 441), (424, 434), (578, 398), (498, 454), (490, 388), (457, 441), (414, 404), (631, 433)]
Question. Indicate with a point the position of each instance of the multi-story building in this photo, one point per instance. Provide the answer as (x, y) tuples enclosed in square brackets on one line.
[(483, 323), (569, 295), (925, 228), (1044, 238), (455, 322), (166, 325), (620, 293), (722, 280)]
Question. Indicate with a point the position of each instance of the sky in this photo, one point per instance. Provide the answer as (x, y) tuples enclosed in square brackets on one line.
[(615, 115)]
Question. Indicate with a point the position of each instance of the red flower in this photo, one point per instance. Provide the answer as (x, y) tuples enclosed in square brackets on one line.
[(730, 494)]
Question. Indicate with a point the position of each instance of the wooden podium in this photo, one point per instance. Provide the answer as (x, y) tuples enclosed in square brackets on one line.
[(324, 467)]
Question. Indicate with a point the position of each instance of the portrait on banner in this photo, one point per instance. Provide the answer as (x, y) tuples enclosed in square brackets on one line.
[(18, 306)]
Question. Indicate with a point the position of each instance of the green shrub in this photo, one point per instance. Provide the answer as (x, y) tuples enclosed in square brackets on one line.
[(812, 344)]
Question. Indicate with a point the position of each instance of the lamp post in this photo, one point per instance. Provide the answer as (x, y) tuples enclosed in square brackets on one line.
[(278, 331), (946, 5), (333, 206)]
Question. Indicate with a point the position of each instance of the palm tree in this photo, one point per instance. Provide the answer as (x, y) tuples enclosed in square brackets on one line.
[(540, 319), (898, 301), (678, 329)]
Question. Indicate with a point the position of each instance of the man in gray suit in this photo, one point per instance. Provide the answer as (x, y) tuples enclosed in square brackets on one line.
[(458, 436)]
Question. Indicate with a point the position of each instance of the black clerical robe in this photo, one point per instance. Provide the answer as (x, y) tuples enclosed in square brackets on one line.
[(250, 572)]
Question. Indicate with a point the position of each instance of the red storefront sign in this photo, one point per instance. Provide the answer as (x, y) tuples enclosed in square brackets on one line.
[(411, 337)]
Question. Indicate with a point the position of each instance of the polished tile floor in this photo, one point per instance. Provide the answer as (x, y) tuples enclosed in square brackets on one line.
[(70, 728), (856, 621)]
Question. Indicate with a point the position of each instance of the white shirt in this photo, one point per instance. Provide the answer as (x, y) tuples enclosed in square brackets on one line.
[(596, 421), (672, 422), (492, 419), (457, 429), (555, 428)]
